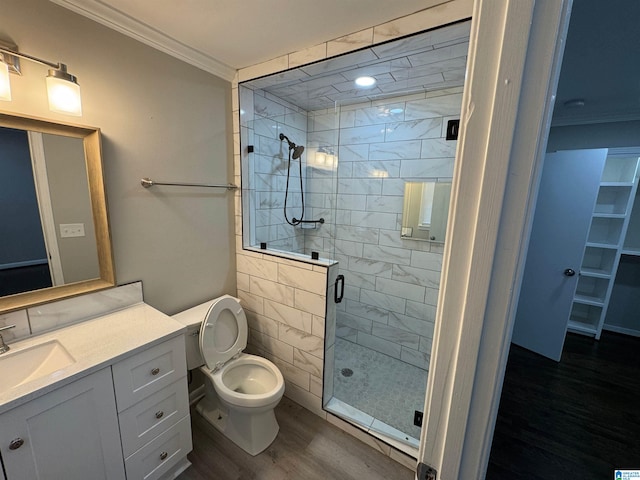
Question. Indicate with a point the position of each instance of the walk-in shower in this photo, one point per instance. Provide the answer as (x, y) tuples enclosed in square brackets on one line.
[(359, 178)]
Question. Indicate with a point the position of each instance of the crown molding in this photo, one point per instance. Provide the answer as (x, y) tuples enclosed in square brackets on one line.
[(116, 20)]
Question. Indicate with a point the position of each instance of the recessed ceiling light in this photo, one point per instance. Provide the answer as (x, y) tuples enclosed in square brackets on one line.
[(365, 82)]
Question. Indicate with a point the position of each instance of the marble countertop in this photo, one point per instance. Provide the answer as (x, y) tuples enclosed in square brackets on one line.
[(94, 344)]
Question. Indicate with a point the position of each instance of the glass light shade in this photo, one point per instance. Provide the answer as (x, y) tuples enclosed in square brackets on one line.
[(64, 96), (321, 158), (5, 85)]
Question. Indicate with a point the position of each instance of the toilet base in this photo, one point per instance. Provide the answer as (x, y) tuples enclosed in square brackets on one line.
[(251, 432)]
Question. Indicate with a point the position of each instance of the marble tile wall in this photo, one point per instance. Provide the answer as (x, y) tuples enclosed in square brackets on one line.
[(263, 118), (435, 13), (391, 283), (284, 301)]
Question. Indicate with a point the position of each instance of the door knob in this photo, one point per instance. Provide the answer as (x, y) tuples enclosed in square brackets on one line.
[(569, 272)]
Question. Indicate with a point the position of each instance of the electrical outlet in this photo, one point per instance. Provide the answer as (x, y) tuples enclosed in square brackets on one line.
[(68, 230), (417, 418)]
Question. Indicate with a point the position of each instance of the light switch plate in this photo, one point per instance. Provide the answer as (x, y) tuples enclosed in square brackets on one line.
[(71, 230)]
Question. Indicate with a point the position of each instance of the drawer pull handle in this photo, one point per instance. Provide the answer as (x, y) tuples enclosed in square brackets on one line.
[(163, 455), (155, 371), (16, 444), (159, 414)]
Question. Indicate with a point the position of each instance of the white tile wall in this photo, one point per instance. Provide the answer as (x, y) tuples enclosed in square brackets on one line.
[(391, 283), (266, 332)]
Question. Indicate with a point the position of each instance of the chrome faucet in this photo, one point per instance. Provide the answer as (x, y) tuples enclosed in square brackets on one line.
[(3, 346)]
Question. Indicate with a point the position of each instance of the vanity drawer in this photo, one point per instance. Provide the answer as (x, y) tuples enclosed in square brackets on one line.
[(148, 418), (156, 458), (149, 371)]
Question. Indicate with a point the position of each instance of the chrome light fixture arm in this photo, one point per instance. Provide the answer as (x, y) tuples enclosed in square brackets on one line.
[(62, 87)]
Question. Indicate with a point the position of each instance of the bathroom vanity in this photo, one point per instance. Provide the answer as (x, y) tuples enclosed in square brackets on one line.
[(114, 407)]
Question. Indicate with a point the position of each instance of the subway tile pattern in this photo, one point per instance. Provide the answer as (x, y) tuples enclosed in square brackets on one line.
[(432, 60), (391, 283), (285, 303), (284, 343)]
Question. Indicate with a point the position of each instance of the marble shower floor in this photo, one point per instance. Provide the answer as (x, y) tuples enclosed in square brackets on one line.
[(385, 390)]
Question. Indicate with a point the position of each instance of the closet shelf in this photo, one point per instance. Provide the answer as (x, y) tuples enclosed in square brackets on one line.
[(592, 272), (581, 327), (587, 300), (609, 215), (616, 184), (610, 246)]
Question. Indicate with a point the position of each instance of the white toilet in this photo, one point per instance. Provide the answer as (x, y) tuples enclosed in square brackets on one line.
[(241, 390)]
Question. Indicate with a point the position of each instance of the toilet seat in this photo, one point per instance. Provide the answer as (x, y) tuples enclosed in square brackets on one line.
[(223, 332), (272, 388)]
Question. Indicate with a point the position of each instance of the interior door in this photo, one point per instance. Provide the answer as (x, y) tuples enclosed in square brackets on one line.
[(566, 198)]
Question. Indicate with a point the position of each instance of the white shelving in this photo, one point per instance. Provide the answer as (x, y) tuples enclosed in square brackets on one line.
[(606, 241)]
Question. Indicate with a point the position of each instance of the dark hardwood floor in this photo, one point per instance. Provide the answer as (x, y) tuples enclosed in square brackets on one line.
[(577, 419), (307, 447)]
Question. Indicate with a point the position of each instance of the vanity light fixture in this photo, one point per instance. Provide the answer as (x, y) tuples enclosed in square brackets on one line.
[(62, 87), (365, 82), (5, 86)]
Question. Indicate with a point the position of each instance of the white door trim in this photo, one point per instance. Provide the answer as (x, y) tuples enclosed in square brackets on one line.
[(515, 54), (41, 180)]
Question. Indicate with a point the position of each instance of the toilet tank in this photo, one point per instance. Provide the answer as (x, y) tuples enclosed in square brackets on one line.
[(192, 319)]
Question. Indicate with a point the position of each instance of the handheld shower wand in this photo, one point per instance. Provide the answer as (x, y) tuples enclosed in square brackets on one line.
[(295, 152)]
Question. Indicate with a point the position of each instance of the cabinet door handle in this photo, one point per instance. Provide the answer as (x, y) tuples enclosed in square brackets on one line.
[(155, 371), (16, 444), (163, 455), (159, 414)]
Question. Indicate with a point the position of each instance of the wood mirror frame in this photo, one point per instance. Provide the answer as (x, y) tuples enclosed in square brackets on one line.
[(93, 158)]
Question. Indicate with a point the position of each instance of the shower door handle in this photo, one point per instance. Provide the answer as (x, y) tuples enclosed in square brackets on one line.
[(338, 297)]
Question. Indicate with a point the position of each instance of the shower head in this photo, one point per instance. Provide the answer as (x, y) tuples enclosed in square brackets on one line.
[(297, 152), (297, 149)]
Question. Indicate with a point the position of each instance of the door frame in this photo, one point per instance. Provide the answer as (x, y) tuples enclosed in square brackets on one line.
[(515, 55), (43, 195)]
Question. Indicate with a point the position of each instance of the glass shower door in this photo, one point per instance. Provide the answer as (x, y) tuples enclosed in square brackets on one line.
[(384, 324)]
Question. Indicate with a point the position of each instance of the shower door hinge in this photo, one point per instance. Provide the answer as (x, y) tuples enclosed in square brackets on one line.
[(425, 472)]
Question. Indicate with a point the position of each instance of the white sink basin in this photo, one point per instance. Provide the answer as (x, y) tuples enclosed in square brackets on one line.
[(25, 365)]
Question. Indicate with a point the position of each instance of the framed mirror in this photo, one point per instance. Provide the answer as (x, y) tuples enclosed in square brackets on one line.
[(53, 214), (425, 210)]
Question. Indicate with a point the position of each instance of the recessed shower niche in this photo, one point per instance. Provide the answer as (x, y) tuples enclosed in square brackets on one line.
[(325, 165)]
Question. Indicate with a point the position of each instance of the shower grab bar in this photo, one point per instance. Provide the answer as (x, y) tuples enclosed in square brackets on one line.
[(298, 222), (147, 182)]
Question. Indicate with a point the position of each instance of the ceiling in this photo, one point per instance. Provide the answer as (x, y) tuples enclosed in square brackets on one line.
[(432, 60), (233, 34), (600, 63)]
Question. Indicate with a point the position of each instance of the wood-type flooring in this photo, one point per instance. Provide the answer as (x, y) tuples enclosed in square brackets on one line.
[(576, 419), (307, 447)]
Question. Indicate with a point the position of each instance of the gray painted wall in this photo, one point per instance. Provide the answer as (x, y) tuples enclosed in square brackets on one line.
[(69, 191), (159, 118)]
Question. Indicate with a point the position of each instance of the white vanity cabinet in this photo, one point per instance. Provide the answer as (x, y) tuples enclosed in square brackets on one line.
[(69, 433), (129, 420), (153, 410)]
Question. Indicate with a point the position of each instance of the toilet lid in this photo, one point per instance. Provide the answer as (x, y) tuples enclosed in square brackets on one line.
[(223, 333)]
